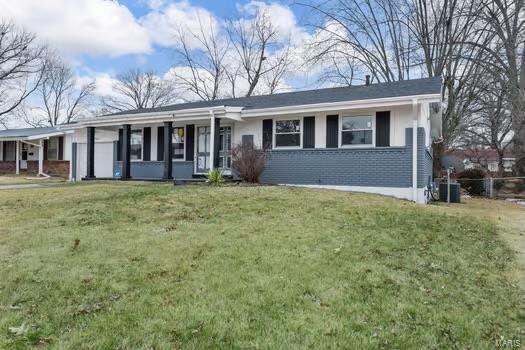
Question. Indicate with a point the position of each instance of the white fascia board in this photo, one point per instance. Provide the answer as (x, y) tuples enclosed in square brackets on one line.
[(152, 117), (48, 135), (5, 139), (335, 106), (35, 137)]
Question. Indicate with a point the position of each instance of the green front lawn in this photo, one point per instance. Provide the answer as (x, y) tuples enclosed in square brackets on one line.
[(164, 267)]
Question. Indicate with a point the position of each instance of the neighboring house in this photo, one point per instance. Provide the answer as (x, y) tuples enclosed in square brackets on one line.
[(475, 158), (38, 151), (372, 138)]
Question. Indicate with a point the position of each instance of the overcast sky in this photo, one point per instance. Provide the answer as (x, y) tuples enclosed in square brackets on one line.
[(101, 38)]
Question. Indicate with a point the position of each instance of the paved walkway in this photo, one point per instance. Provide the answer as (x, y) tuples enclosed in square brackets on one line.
[(21, 186)]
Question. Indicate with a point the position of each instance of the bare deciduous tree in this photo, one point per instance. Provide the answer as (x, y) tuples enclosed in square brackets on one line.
[(138, 90), (205, 69), (274, 78), (440, 29), (22, 63), (490, 124), (373, 33), (62, 100), (247, 56), (253, 39), (503, 21)]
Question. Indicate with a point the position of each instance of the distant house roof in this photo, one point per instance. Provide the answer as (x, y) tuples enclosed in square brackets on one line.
[(414, 87), (26, 132)]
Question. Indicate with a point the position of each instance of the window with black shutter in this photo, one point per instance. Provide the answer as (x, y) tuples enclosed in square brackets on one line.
[(332, 131), (267, 133), (309, 132), (383, 129)]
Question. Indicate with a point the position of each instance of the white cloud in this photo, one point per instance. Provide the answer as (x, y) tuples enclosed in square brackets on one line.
[(281, 16), (93, 27), (104, 83), (164, 21)]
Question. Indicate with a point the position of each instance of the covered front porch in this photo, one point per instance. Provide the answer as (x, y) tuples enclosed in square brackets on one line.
[(182, 148), (36, 151)]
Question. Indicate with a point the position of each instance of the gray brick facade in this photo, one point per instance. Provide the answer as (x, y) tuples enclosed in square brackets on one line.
[(155, 169), (374, 167), (370, 167)]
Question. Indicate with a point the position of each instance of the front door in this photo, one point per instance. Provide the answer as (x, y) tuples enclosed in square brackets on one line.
[(23, 162), (225, 149), (203, 149)]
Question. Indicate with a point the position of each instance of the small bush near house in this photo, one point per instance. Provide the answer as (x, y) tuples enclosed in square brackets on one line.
[(215, 177), (248, 162), (472, 181)]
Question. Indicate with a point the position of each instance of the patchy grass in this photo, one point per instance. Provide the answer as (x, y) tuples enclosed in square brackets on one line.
[(98, 266), (509, 219)]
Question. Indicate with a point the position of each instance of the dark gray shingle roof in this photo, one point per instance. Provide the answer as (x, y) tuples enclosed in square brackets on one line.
[(26, 132), (351, 93)]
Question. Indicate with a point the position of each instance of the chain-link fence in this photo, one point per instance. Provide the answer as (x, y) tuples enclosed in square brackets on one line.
[(490, 187), (505, 187)]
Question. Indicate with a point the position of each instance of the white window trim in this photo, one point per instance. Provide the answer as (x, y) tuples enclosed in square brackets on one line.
[(195, 143), (274, 134), (185, 140), (368, 145), (141, 145)]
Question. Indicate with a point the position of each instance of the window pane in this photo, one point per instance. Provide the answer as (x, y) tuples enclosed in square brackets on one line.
[(352, 123), (287, 140), (136, 145), (282, 126), (10, 147), (52, 148), (178, 151), (225, 139), (362, 137), (178, 135), (178, 143)]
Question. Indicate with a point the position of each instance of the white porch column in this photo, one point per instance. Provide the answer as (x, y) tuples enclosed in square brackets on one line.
[(17, 157), (212, 139), (414, 150), (41, 157)]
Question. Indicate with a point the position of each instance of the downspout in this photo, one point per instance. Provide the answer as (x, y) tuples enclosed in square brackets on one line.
[(414, 150)]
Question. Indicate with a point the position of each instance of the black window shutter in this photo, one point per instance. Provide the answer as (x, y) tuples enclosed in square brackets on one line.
[(4, 150), (267, 133), (119, 144), (383, 129), (160, 143), (190, 141), (146, 134), (46, 143), (309, 132), (332, 131), (61, 148)]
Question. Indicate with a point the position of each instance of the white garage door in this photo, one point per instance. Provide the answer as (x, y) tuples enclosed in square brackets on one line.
[(103, 159)]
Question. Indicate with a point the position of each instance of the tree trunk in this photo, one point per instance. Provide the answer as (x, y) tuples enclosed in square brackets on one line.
[(438, 150), (519, 144)]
